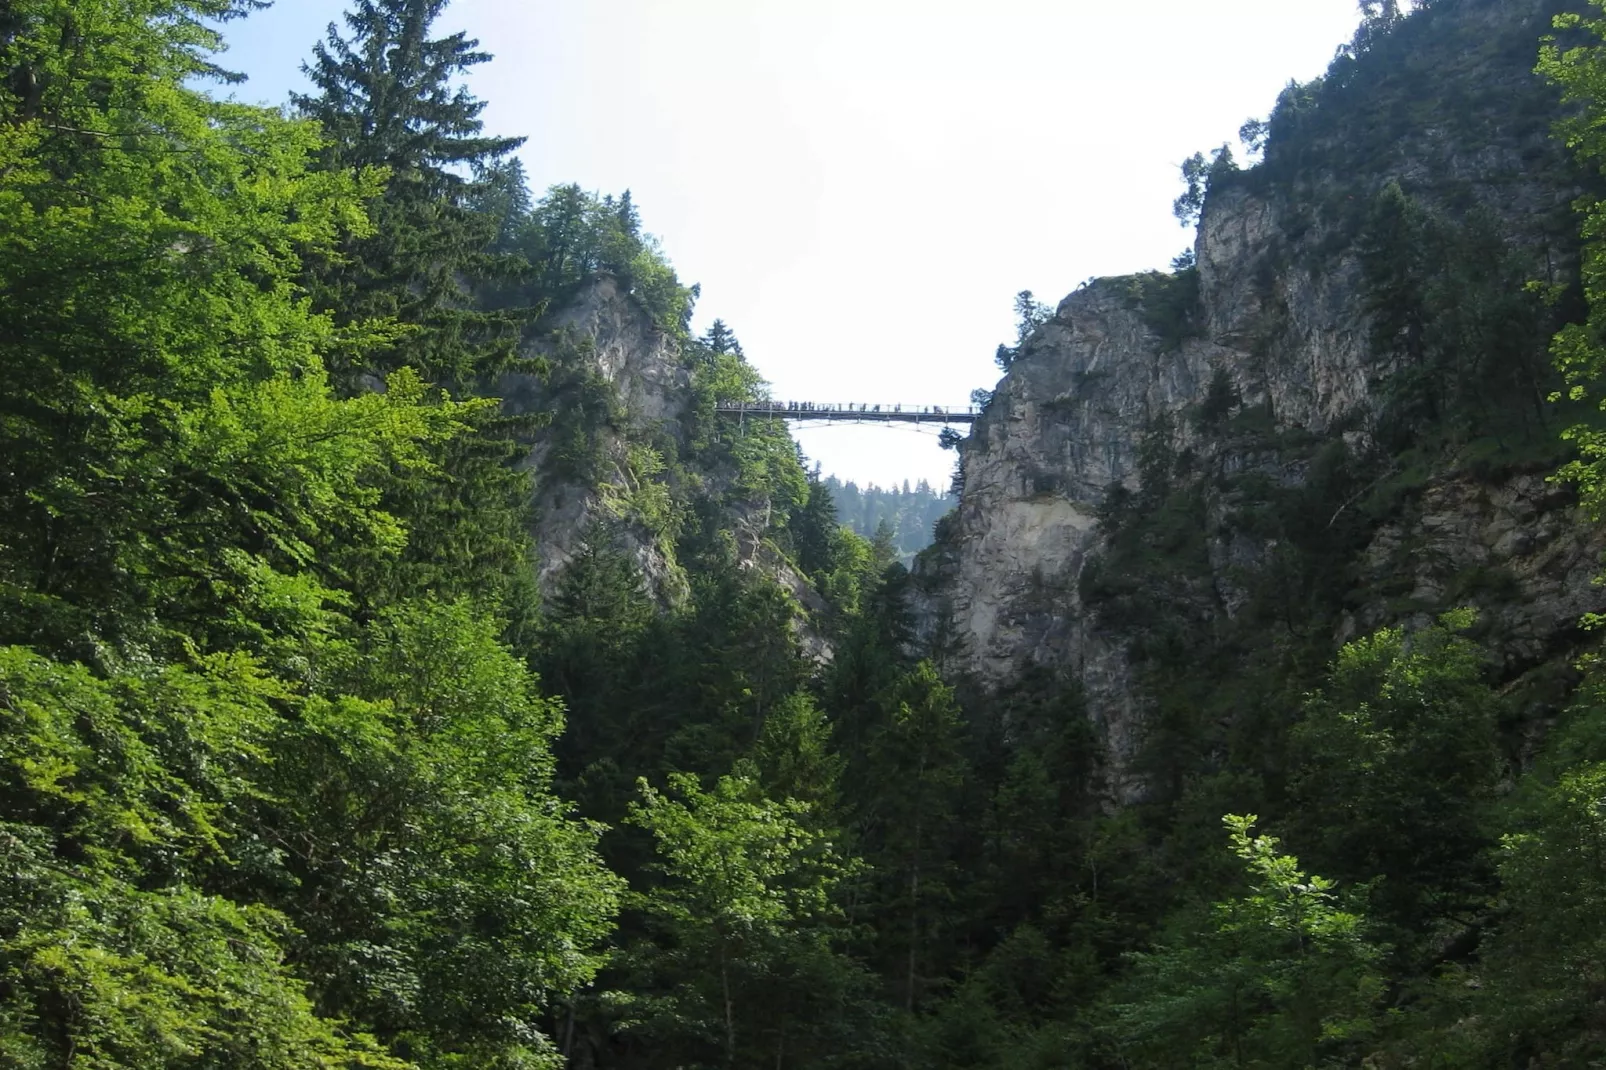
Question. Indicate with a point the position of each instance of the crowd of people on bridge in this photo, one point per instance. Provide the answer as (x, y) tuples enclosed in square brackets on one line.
[(848, 407)]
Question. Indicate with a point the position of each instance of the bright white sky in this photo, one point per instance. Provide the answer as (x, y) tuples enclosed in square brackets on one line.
[(861, 186)]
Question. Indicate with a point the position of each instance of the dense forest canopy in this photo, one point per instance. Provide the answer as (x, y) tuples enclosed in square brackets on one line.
[(312, 756), (910, 514)]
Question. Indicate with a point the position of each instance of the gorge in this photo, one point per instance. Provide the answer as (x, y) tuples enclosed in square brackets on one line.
[(420, 649)]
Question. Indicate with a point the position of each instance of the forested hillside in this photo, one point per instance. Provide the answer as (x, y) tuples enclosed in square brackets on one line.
[(910, 514), (404, 665)]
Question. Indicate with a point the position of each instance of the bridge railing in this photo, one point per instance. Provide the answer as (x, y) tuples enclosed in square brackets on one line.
[(846, 409)]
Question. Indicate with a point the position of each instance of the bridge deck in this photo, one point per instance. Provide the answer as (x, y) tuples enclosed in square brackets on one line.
[(856, 411)]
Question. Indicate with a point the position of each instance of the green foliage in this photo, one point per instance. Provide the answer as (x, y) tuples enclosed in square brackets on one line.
[(741, 969), (842, 566), (1198, 174), (1532, 995), (572, 235), (1169, 303), (720, 339), (384, 100), (253, 818), (910, 514), (1581, 72), (737, 868), (1030, 314), (152, 979), (1279, 975), (275, 790), (438, 894), (795, 754), (1455, 331), (1396, 765), (176, 433), (444, 894), (1221, 398), (1461, 69), (758, 456), (121, 794), (906, 768), (640, 498), (1543, 965)]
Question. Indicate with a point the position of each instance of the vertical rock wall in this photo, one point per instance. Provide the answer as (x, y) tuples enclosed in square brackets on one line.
[(1283, 316)]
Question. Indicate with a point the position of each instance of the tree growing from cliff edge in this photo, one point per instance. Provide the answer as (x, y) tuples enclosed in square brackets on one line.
[(1030, 314), (1197, 174)]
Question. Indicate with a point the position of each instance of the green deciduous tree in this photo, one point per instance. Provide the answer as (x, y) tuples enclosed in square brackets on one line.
[(1279, 975), (446, 896), (251, 815), (120, 795), (1544, 966), (1579, 353), (1397, 766), (741, 971), (1534, 993)]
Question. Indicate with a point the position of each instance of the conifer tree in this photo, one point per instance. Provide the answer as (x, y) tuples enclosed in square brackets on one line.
[(386, 101), (721, 339)]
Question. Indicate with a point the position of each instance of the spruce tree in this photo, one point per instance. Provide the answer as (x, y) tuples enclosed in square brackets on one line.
[(721, 339), (386, 101)]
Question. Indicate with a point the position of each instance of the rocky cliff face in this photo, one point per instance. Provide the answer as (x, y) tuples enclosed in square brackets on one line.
[(607, 338), (620, 384), (1283, 329)]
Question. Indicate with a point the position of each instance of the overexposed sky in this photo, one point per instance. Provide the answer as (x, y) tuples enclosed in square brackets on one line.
[(861, 186)]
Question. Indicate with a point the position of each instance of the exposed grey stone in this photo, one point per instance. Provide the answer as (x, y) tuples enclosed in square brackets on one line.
[(1283, 315)]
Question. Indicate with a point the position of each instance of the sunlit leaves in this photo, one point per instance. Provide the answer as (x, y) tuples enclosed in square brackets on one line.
[(1580, 70), (1280, 975)]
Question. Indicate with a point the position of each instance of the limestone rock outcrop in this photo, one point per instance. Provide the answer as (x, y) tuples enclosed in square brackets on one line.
[(606, 331), (1283, 322), (610, 356)]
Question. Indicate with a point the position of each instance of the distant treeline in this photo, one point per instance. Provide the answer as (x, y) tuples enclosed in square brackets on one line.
[(909, 515)]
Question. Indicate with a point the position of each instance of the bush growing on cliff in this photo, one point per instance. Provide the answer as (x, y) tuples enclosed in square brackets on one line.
[(1169, 304)]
